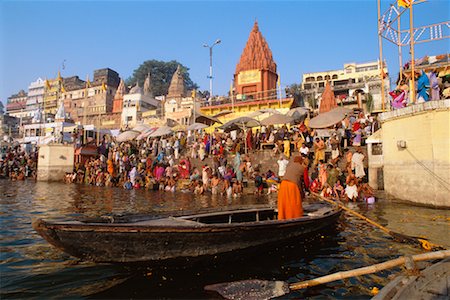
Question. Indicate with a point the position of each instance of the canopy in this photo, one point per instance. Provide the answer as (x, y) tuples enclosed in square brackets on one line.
[(343, 110), (298, 113), (239, 123), (327, 119), (204, 119), (161, 131), (179, 127), (142, 127), (145, 134), (127, 136), (328, 102), (277, 119), (197, 126), (263, 111)]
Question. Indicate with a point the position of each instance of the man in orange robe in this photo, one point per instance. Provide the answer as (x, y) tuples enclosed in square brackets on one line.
[(289, 195)]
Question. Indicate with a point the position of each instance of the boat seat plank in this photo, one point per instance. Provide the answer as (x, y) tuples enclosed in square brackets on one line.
[(170, 221)]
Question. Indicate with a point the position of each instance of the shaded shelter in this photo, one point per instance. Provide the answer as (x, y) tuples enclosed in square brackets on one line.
[(127, 135), (277, 119), (204, 119), (327, 119), (328, 101), (161, 131), (197, 126)]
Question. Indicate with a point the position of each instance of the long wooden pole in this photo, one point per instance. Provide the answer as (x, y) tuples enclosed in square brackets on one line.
[(411, 34), (397, 236), (380, 46), (400, 54), (370, 269)]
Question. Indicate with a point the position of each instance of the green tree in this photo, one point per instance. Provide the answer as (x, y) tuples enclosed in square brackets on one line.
[(161, 73), (369, 102), (294, 91)]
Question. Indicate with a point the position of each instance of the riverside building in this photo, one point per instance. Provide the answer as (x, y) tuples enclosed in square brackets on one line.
[(356, 85)]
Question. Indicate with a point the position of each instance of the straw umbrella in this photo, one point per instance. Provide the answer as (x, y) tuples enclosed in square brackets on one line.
[(161, 131), (277, 119), (197, 126), (127, 136), (240, 123)]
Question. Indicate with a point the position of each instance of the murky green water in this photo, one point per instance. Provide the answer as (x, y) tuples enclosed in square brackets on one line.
[(31, 268)]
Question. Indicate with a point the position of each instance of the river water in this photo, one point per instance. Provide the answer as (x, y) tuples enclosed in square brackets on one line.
[(31, 268)]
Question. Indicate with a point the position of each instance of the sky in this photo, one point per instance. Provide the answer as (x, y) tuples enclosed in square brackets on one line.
[(36, 37)]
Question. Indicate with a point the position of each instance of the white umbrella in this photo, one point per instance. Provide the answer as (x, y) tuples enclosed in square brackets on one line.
[(197, 126), (298, 113), (161, 131), (243, 123), (127, 136), (146, 133), (142, 127), (277, 119)]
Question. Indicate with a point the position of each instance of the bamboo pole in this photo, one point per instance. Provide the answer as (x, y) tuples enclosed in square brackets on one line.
[(400, 54), (411, 34), (380, 46), (370, 269)]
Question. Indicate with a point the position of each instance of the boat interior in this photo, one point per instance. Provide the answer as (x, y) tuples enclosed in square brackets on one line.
[(214, 217)]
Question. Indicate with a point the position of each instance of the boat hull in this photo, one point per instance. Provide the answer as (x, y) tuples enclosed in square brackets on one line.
[(127, 243)]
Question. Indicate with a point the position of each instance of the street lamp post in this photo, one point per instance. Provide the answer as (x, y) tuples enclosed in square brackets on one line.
[(210, 66)]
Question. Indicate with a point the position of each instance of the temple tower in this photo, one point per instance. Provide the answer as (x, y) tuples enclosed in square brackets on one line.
[(148, 91), (118, 97), (176, 88), (256, 73)]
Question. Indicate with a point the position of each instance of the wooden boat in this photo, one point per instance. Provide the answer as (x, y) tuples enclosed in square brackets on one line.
[(148, 239)]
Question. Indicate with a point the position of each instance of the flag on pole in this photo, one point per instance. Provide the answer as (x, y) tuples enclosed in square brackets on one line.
[(59, 76), (103, 86), (279, 85), (404, 3), (62, 88), (47, 84), (88, 82)]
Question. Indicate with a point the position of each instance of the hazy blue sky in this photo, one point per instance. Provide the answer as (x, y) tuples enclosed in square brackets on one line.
[(304, 36)]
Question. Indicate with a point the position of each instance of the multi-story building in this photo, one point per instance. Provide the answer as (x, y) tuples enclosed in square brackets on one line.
[(88, 102), (135, 103), (35, 98), (16, 106), (351, 85)]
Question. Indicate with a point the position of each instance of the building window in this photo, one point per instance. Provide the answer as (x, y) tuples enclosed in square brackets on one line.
[(327, 77), (319, 78), (377, 149), (335, 76)]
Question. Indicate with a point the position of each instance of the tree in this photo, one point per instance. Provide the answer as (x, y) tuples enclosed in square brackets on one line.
[(294, 91), (161, 73)]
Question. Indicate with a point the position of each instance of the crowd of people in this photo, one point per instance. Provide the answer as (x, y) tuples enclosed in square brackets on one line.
[(223, 163), (17, 164)]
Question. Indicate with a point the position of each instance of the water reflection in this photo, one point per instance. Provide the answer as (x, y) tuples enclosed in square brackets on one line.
[(30, 267)]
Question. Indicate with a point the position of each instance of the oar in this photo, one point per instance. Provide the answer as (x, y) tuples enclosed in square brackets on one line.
[(400, 237), (263, 289)]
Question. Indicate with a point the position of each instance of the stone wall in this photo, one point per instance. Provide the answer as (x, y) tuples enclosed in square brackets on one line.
[(54, 161), (416, 150)]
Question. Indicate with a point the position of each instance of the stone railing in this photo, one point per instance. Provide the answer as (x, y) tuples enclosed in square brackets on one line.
[(415, 108)]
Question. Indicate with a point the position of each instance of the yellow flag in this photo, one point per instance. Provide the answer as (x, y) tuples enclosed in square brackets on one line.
[(103, 86), (231, 88), (62, 88), (47, 84), (404, 3), (193, 93), (279, 80), (88, 82), (59, 76)]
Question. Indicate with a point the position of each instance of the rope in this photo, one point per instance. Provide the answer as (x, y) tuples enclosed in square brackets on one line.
[(438, 179)]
